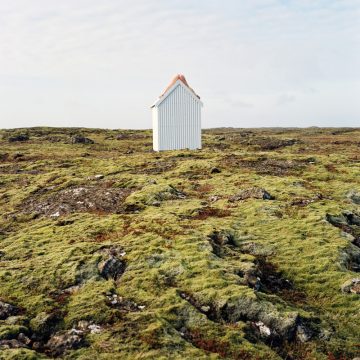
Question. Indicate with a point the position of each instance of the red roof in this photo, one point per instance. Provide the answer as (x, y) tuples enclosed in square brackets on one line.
[(177, 77)]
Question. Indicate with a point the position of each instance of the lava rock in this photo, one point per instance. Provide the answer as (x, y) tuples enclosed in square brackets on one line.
[(303, 333), (43, 325), (79, 139), (96, 177), (351, 286), (254, 193), (264, 330), (214, 198), (354, 197), (252, 279), (59, 343), (17, 320), (177, 193), (24, 339), (7, 310), (215, 171), (20, 137), (111, 268), (11, 344)]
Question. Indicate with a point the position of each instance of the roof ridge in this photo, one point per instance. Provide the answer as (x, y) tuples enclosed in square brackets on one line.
[(177, 77)]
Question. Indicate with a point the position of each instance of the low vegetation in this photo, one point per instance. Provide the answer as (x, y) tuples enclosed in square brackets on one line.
[(246, 249)]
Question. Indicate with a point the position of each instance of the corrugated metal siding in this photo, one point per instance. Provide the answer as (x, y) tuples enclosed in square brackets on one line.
[(177, 122)]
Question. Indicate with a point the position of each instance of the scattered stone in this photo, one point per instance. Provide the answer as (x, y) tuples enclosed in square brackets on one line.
[(303, 333), (349, 223), (167, 193), (112, 267), (263, 329), (64, 222), (215, 171), (125, 305), (83, 325), (252, 279), (156, 203), (79, 139), (94, 329), (325, 334), (96, 177), (38, 346), (350, 258), (11, 344), (55, 215), (255, 249), (71, 290), (177, 193), (351, 286), (24, 339), (267, 144), (221, 238), (17, 320), (59, 343), (43, 325), (214, 198), (344, 220), (18, 156), (272, 280), (7, 310), (254, 192), (20, 137), (205, 308), (354, 196), (301, 202)]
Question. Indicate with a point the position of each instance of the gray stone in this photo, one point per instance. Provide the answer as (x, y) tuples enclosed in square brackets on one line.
[(303, 333), (24, 339), (254, 193), (79, 139), (44, 324), (354, 196), (6, 310), (59, 343), (111, 267), (11, 344), (351, 286), (17, 320)]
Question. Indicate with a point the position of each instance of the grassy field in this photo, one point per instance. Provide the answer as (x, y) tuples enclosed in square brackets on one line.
[(241, 250)]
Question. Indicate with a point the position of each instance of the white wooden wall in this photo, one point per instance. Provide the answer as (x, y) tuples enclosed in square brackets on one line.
[(177, 121)]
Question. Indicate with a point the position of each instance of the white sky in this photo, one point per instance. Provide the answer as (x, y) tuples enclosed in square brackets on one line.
[(253, 62)]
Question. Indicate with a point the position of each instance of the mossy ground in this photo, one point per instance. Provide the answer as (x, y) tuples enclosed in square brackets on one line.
[(166, 240)]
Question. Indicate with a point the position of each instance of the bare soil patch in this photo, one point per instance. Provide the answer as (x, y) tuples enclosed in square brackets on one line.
[(266, 166), (77, 199)]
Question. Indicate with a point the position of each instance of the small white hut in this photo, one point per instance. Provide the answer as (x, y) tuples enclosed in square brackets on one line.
[(176, 117)]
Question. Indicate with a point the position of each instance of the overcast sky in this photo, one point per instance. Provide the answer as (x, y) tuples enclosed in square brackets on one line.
[(253, 62)]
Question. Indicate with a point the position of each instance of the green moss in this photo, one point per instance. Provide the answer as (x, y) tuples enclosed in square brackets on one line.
[(50, 266)]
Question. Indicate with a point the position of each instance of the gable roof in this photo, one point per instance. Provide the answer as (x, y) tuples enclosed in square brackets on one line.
[(177, 80)]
